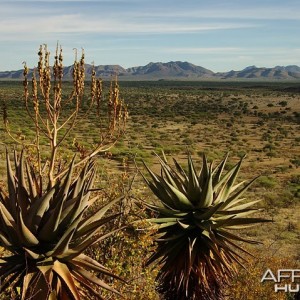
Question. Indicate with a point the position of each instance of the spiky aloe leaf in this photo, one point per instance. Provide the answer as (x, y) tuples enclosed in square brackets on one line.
[(46, 232), (180, 201), (91, 264), (196, 250), (193, 183), (38, 208), (27, 238), (64, 273), (93, 279)]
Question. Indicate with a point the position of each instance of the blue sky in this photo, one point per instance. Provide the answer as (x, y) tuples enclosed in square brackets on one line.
[(218, 35)]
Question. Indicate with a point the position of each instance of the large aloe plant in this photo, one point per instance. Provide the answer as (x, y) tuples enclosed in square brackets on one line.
[(46, 232), (196, 213)]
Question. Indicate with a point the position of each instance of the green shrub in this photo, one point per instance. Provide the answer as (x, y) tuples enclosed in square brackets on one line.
[(267, 182)]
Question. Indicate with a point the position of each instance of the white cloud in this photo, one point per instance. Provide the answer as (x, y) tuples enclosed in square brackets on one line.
[(202, 50), (76, 23), (260, 13)]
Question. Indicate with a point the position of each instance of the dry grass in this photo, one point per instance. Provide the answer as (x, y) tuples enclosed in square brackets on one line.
[(228, 119)]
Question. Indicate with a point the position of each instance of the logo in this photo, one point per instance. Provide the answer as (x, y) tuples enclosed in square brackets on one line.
[(285, 280)]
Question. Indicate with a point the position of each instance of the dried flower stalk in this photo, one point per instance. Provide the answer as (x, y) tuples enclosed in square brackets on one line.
[(52, 118)]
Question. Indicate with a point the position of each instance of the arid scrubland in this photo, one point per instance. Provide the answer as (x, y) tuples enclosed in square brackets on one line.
[(259, 119)]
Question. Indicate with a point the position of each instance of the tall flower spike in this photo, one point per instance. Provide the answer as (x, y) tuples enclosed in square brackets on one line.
[(99, 90), (25, 82), (93, 83), (35, 94)]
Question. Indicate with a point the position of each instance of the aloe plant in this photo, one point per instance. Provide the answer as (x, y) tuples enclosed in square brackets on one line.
[(197, 250), (46, 232)]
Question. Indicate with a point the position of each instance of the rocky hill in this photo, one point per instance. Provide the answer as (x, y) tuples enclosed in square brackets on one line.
[(175, 69), (289, 72)]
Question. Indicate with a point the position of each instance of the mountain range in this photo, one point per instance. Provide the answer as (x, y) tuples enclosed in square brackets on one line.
[(175, 70)]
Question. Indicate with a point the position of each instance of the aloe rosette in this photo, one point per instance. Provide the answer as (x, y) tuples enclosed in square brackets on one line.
[(197, 249), (46, 232)]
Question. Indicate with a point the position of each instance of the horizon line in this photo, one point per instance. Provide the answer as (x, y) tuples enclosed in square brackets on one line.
[(171, 61)]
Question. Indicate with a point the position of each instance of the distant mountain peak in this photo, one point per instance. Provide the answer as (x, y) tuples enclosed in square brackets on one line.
[(250, 68), (173, 69)]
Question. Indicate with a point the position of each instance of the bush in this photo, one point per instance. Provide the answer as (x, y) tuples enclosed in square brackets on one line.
[(283, 103), (267, 182), (296, 162), (295, 179)]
